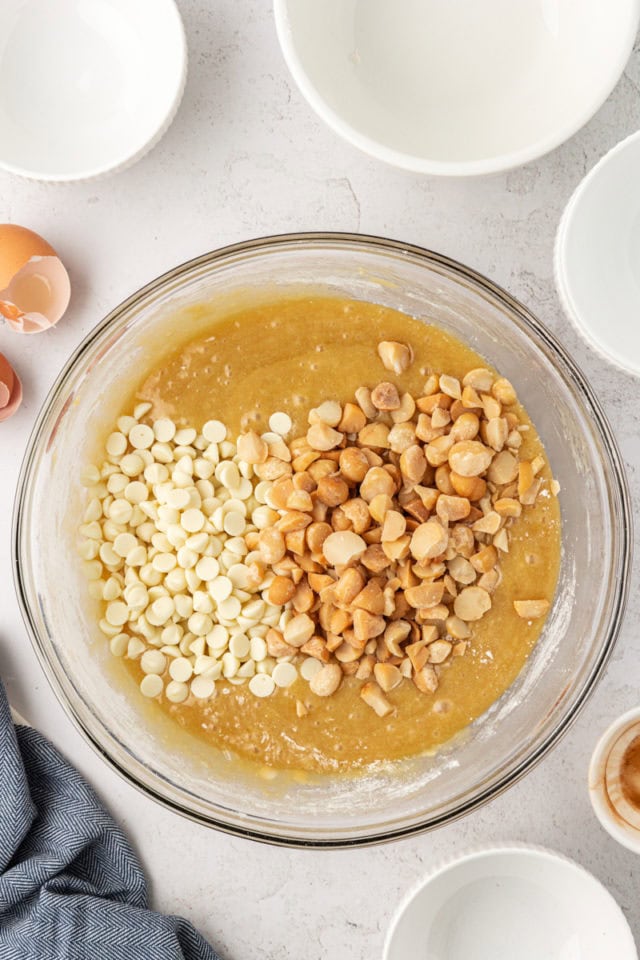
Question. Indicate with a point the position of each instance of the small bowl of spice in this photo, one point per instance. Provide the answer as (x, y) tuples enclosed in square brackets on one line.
[(614, 780)]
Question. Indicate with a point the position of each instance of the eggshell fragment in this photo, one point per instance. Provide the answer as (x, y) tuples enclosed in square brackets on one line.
[(10, 389), (34, 285)]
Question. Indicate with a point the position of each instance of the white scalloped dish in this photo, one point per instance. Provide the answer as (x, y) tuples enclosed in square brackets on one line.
[(86, 88), (506, 902)]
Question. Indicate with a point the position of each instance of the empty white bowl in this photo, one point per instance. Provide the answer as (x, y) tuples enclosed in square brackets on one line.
[(456, 88), (507, 902), (86, 86), (597, 256)]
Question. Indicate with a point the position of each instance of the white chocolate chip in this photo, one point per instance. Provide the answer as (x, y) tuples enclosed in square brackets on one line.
[(162, 452), (309, 668), (258, 649), (202, 687), (124, 543), (262, 685), (132, 464), (284, 674), (180, 669), (164, 562), (230, 665), (178, 498), (234, 523), (116, 444), (185, 436), (207, 568), (198, 646), (93, 511), (193, 520), (118, 644), (151, 685), (104, 625), (220, 588), (176, 691), (238, 573), (152, 661), (229, 608), (214, 431), (187, 558), (136, 492), (164, 429), (200, 624), (239, 645), (141, 437), (160, 611), (135, 648), (120, 511), (117, 613), (228, 475), (280, 423), (108, 556)]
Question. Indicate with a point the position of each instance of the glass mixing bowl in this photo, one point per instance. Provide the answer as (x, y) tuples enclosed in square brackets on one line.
[(149, 749)]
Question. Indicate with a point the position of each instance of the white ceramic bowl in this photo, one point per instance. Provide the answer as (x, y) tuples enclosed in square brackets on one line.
[(508, 902), (619, 818), (456, 88), (597, 256), (86, 86)]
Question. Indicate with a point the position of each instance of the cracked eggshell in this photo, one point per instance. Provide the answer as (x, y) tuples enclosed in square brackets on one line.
[(34, 285), (10, 389)]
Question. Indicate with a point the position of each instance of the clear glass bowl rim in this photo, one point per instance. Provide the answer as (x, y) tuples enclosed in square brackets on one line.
[(528, 323)]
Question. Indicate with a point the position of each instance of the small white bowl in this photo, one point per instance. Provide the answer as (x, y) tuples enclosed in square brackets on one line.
[(86, 87), (507, 902), (618, 817), (597, 256), (456, 88)]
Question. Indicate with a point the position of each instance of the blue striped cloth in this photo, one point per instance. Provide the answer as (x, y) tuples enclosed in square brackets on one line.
[(71, 887)]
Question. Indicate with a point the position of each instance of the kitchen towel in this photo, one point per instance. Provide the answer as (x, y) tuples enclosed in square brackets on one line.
[(71, 887)]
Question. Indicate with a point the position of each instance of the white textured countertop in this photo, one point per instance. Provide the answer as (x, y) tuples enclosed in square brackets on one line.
[(247, 157)]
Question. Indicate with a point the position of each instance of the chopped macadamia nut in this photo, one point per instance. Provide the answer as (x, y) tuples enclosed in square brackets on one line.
[(374, 697), (385, 397), (531, 609), (326, 680), (395, 356)]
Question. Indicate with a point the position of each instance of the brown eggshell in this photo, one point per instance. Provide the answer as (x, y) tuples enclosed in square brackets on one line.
[(10, 389), (34, 285), (17, 246)]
